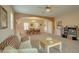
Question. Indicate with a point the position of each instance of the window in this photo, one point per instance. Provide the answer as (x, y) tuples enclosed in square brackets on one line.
[(12, 21), (26, 26)]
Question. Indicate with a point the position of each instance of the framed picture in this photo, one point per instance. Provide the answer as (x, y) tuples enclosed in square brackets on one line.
[(3, 18), (59, 23)]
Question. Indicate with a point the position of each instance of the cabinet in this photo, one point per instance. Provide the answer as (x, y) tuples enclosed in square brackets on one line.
[(71, 31)]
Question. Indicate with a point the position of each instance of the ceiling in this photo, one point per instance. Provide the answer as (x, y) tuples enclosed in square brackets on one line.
[(56, 10)]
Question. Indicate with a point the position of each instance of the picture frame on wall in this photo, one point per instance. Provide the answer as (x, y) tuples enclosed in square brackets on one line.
[(59, 23), (3, 18)]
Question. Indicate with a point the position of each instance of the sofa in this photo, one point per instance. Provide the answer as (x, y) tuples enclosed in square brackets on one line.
[(16, 44)]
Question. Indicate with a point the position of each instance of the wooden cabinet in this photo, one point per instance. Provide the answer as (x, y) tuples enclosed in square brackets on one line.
[(72, 32)]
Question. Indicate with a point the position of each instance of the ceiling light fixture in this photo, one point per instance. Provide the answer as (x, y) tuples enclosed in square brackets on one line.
[(48, 8)]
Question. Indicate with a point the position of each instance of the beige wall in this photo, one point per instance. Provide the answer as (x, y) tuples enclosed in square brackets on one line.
[(4, 33), (70, 19)]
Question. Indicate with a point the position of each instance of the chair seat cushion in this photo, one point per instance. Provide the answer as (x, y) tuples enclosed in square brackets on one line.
[(25, 44), (10, 49)]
